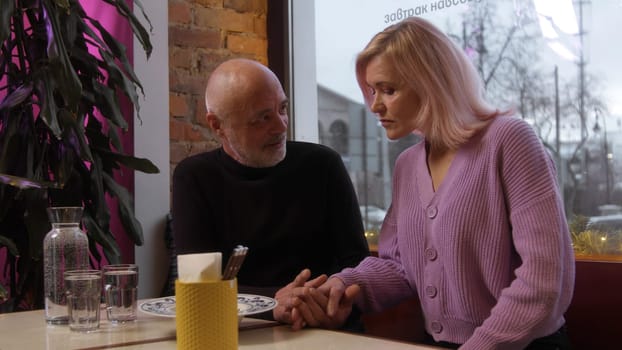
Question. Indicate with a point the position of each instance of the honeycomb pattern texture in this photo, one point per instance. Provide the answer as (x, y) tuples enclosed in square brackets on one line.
[(206, 315)]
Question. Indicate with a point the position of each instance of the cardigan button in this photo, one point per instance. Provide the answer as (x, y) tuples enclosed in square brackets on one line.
[(430, 291), (436, 327), (431, 254), (432, 211)]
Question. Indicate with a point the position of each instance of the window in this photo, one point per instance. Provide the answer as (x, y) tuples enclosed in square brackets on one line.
[(553, 61)]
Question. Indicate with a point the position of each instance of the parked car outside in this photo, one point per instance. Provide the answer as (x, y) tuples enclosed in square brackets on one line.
[(372, 216), (606, 223)]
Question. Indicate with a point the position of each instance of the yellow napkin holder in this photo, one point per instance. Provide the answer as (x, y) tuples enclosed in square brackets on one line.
[(206, 315)]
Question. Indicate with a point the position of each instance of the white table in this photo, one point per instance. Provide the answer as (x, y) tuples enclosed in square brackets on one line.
[(28, 330)]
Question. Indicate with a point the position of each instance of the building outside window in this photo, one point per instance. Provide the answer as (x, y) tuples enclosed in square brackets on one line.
[(554, 62)]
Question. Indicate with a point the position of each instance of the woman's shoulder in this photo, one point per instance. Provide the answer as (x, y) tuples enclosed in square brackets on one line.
[(509, 127), (508, 122), (510, 137)]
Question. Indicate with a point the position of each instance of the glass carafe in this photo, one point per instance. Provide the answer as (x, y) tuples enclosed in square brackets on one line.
[(65, 247)]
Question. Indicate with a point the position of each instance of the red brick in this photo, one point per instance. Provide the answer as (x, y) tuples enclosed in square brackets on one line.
[(204, 146), (227, 20), (239, 5), (240, 43), (209, 60), (256, 6), (200, 114), (179, 106), (176, 129), (261, 27), (174, 80), (262, 59), (209, 3), (181, 58), (179, 12), (179, 151), (193, 133), (205, 38), (183, 82)]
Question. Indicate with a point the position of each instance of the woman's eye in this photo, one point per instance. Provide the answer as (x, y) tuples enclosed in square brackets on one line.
[(372, 91), (388, 91)]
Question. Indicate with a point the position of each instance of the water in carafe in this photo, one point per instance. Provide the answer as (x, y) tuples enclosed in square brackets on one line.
[(65, 247)]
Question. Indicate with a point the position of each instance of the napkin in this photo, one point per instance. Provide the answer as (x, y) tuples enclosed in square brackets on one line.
[(201, 267)]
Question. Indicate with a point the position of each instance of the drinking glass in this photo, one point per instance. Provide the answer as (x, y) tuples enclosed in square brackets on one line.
[(121, 292), (83, 289)]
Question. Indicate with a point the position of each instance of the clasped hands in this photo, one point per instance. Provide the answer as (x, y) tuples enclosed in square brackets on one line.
[(321, 302)]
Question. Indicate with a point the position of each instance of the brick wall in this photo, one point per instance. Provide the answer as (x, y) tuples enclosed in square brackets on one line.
[(202, 34)]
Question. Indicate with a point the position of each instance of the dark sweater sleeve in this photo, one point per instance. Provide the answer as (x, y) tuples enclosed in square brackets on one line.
[(349, 243), (189, 210)]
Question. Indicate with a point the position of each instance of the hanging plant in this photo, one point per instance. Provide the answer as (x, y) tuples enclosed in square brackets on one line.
[(62, 75)]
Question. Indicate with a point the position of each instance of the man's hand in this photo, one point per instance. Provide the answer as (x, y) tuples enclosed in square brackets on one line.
[(327, 306), (288, 297)]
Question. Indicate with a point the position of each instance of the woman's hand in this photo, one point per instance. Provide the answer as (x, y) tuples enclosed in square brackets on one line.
[(327, 306), (288, 297)]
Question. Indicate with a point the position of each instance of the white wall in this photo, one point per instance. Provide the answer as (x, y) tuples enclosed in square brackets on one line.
[(151, 141), (303, 80)]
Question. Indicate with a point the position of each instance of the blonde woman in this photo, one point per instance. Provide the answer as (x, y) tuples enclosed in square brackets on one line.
[(476, 229)]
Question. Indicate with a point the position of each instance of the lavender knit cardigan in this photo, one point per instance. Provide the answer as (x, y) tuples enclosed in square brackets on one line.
[(489, 254)]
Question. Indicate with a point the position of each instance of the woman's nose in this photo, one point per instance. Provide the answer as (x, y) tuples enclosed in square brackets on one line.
[(377, 106)]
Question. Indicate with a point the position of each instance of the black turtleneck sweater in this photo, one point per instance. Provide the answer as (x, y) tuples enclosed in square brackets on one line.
[(301, 213)]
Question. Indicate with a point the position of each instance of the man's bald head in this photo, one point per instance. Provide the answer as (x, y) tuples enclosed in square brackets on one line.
[(247, 110), (233, 82)]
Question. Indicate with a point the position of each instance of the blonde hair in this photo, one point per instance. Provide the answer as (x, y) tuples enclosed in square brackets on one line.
[(452, 106)]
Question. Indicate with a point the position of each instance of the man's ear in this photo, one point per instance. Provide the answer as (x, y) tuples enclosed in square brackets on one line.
[(214, 123)]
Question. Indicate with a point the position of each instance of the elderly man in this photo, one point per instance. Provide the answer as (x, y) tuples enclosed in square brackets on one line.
[(292, 203)]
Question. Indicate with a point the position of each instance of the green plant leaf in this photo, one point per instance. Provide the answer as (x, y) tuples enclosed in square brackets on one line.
[(36, 220), (119, 51), (108, 105), (105, 239), (117, 77), (115, 139), (77, 126), (11, 144), (59, 59), (140, 164), (64, 4), (94, 249), (126, 209), (24, 183), (16, 97), (6, 11), (49, 109), (139, 31), (10, 245), (97, 191)]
